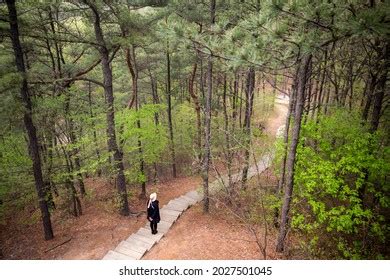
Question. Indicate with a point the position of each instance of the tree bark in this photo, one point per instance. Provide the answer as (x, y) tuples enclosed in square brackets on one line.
[(380, 92), (134, 100), (110, 114), (28, 122), (170, 125), (290, 112), (207, 121), (250, 84), (290, 164), (99, 171), (227, 134), (195, 98)]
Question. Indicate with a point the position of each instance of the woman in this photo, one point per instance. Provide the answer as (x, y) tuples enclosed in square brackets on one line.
[(153, 212)]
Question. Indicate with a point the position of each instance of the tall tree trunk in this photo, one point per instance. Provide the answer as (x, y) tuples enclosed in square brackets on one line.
[(73, 154), (134, 100), (195, 98), (28, 122), (290, 112), (69, 183), (240, 100), (250, 84), (110, 115), (380, 92), (156, 101), (320, 93), (207, 121), (302, 80), (227, 134), (99, 171), (371, 89), (170, 125)]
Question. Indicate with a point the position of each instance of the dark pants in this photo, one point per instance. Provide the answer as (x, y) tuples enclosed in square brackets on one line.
[(153, 226)]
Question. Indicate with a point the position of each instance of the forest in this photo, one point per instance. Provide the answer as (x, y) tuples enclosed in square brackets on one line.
[(276, 112)]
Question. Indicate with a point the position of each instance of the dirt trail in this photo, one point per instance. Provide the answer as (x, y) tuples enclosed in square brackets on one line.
[(276, 119), (216, 235)]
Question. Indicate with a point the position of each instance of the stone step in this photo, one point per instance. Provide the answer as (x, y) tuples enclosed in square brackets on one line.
[(149, 240), (139, 243), (168, 218), (183, 204), (194, 195), (168, 211), (127, 249), (175, 207), (190, 200), (161, 228), (132, 246), (182, 201), (112, 255), (147, 233)]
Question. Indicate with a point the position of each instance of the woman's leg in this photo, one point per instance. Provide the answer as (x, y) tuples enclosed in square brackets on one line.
[(155, 227), (152, 226)]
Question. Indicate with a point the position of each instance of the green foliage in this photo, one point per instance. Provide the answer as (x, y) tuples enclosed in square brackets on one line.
[(334, 158), (16, 181), (153, 138), (185, 129)]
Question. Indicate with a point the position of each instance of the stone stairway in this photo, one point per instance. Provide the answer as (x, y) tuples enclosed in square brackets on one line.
[(134, 247)]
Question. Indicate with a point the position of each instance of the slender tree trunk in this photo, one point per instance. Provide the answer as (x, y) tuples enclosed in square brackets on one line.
[(28, 122), (73, 154), (72, 193), (195, 98), (134, 100), (99, 171), (207, 122), (156, 101), (290, 164), (170, 125), (250, 84), (370, 94), (78, 173), (380, 92), (227, 134), (110, 115), (234, 101), (320, 93), (290, 112), (240, 100), (327, 99)]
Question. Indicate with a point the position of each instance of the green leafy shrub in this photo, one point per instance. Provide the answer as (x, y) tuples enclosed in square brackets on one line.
[(341, 193)]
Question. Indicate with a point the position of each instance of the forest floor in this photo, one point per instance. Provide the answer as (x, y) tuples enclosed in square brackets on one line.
[(100, 228)]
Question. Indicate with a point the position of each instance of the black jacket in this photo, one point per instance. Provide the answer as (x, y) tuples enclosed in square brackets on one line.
[(154, 211)]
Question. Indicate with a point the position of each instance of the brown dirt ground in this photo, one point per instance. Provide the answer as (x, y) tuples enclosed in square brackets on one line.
[(98, 230)]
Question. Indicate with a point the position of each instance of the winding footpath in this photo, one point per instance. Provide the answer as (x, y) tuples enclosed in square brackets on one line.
[(137, 244)]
